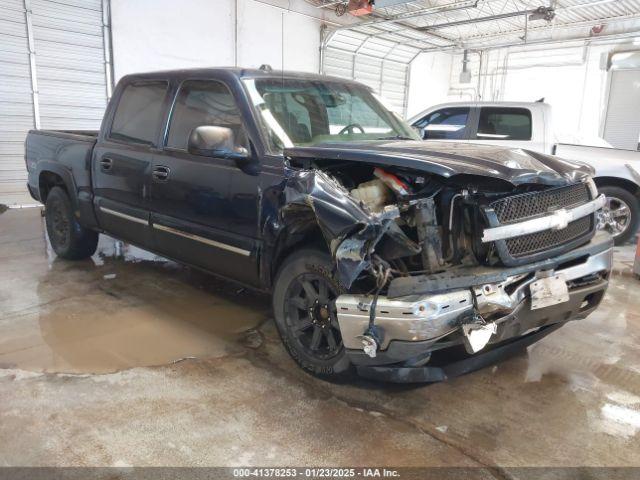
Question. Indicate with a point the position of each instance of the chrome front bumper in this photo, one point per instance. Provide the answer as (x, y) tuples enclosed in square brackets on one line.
[(428, 318)]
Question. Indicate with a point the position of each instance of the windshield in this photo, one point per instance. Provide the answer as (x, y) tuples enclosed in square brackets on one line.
[(297, 112)]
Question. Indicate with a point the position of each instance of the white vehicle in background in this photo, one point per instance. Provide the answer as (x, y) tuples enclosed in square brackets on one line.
[(528, 126)]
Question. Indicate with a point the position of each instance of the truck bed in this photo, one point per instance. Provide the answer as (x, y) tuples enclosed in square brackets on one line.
[(66, 153), (589, 153), (90, 135)]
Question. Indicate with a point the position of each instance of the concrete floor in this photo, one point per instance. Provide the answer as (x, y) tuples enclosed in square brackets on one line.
[(132, 360)]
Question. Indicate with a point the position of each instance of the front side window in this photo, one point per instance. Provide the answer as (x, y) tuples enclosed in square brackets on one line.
[(139, 112), (204, 103), (445, 124), (504, 124), (299, 112)]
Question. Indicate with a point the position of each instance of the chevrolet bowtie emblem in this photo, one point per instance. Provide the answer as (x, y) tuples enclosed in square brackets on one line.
[(561, 219)]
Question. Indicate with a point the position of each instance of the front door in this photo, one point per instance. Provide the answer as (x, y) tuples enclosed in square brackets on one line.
[(446, 124), (122, 162), (204, 210)]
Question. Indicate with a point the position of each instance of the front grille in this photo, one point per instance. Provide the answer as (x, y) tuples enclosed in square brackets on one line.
[(539, 242), (524, 206)]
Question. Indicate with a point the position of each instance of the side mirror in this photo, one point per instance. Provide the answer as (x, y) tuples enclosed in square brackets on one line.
[(210, 141)]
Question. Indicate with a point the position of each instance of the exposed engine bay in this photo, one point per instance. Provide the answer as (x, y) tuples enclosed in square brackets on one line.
[(392, 222), (389, 229)]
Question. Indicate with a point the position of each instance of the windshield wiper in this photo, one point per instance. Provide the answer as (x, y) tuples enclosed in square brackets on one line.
[(395, 137)]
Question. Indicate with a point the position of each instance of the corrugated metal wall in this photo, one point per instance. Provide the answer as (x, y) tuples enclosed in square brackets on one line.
[(54, 73), (16, 107)]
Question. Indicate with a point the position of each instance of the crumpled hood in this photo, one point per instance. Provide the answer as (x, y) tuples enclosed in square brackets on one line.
[(447, 159)]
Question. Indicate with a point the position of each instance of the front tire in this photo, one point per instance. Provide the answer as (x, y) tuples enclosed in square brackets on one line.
[(620, 215), (304, 296), (69, 239)]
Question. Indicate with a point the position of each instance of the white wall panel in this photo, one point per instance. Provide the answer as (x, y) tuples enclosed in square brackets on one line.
[(301, 43), (259, 35), (430, 80), (153, 35), (164, 34)]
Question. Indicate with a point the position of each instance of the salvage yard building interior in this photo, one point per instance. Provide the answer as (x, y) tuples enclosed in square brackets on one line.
[(129, 359)]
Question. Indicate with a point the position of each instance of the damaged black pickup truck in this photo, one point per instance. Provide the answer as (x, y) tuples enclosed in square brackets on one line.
[(394, 258)]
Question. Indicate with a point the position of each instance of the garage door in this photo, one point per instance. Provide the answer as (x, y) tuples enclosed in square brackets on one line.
[(57, 50), (386, 77), (622, 123)]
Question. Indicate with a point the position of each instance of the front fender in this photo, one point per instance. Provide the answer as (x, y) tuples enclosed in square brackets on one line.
[(628, 172)]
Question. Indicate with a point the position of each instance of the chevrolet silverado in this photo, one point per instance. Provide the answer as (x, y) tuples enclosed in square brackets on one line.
[(386, 256)]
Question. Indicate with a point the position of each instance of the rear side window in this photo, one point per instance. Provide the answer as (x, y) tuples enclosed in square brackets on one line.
[(504, 124), (139, 112), (447, 123), (200, 103)]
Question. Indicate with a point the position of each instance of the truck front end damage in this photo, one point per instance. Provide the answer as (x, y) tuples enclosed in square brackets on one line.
[(447, 273)]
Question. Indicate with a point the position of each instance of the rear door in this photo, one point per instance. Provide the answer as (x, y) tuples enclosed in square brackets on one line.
[(506, 126), (205, 209), (122, 161)]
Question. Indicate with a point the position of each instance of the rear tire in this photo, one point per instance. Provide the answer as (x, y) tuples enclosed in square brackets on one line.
[(69, 239), (305, 315), (621, 214)]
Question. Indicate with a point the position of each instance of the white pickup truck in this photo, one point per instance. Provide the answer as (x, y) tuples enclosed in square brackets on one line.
[(528, 126)]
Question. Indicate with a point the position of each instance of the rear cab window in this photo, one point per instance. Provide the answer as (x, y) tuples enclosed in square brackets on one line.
[(139, 113), (500, 123), (445, 124), (204, 103)]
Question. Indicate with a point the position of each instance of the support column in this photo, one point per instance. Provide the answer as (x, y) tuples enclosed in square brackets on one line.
[(32, 64)]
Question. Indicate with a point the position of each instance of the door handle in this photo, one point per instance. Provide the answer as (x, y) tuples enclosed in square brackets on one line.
[(160, 173), (106, 164)]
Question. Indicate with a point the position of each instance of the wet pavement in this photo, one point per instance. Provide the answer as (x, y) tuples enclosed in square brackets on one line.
[(128, 359)]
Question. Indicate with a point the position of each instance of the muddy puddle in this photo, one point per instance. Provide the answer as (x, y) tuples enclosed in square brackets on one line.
[(123, 308)]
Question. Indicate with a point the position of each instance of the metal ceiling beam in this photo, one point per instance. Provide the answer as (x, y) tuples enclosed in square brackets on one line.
[(546, 13), (600, 38), (399, 33), (567, 26), (408, 26)]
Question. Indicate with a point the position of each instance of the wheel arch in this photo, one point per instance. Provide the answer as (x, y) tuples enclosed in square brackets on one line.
[(628, 185), (289, 238), (53, 175)]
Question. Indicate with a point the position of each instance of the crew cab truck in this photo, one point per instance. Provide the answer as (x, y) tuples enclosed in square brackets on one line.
[(529, 126), (398, 259)]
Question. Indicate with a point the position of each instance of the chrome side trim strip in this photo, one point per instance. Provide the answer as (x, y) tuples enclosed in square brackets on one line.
[(198, 238), (115, 213), (555, 221)]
